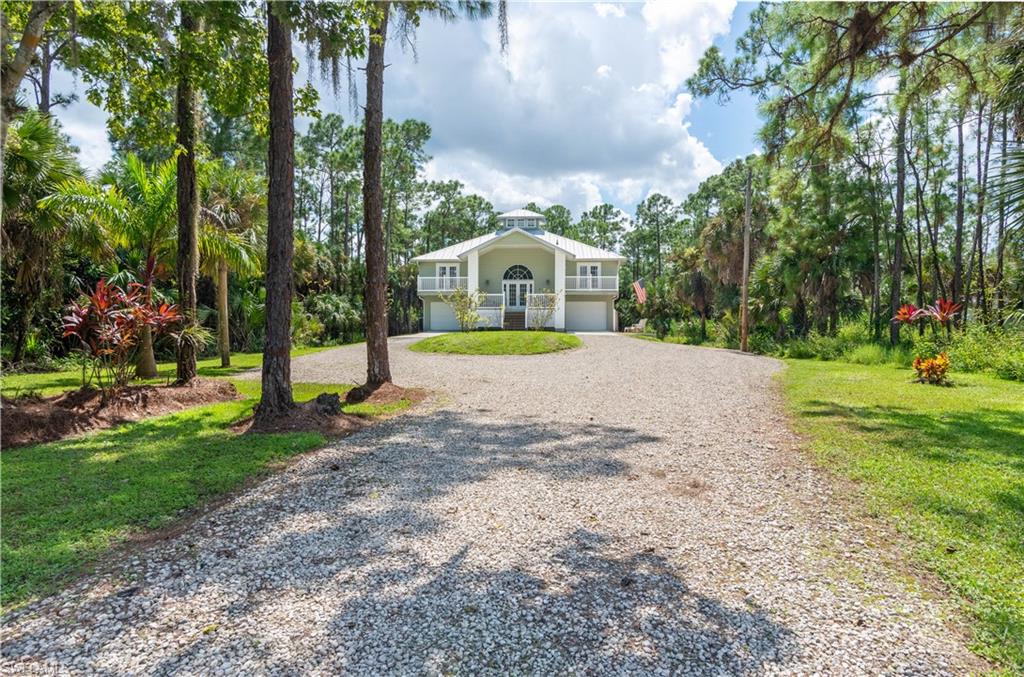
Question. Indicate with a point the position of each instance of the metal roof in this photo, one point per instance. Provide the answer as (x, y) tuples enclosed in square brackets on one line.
[(520, 214), (573, 248)]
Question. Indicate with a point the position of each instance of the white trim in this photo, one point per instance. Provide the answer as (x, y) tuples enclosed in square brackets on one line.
[(483, 246), (447, 266), (587, 264)]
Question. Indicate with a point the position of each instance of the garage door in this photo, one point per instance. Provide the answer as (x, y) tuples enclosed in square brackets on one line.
[(442, 318), (586, 316)]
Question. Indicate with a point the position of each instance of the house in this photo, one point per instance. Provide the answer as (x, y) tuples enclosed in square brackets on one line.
[(521, 268)]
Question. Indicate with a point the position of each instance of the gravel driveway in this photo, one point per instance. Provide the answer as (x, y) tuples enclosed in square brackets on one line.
[(626, 507)]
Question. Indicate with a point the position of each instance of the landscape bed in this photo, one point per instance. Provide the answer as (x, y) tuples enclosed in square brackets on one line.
[(498, 343)]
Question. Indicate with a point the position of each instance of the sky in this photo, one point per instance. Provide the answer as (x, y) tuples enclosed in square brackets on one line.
[(588, 106)]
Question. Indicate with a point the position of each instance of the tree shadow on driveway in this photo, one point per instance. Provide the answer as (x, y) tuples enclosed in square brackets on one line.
[(371, 558)]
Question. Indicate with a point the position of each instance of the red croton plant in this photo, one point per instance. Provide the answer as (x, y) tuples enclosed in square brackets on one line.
[(108, 322)]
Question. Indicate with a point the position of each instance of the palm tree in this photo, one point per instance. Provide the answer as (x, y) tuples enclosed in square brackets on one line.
[(135, 205), (232, 206), (38, 159)]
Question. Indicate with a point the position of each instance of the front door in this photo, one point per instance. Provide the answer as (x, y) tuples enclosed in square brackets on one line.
[(515, 293)]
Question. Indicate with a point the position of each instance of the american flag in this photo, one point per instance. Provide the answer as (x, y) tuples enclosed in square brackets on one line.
[(638, 289)]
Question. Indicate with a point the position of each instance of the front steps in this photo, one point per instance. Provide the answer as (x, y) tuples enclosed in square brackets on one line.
[(515, 321)]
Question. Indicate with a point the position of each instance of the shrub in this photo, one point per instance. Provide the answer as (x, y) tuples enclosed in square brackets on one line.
[(932, 369), (108, 323), (763, 343), (869, 353), (826, 347), (464, 305), (337, 316), (800, 349)]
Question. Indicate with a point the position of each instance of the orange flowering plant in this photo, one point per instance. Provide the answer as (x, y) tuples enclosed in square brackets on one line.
[(932, 369)]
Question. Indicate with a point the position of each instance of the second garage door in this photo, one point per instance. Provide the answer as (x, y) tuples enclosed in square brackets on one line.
[(442, 318), (586, 316)]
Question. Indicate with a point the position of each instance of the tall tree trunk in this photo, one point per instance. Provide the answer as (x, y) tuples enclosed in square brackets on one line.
[(276, 398), (188, 197), (45, 68), (895, 297), (1001, 232), (223, 323), (378, 369), (977, 242), (958, 236), (744, 301), (13, 72)]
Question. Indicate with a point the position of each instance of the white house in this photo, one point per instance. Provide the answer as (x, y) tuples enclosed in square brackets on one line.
[(516, 266)]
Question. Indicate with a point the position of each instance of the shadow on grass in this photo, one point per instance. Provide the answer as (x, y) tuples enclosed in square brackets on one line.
[(370, 535), (942, 436)]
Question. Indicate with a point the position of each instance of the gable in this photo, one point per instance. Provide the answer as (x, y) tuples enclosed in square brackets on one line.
[(516, 239)]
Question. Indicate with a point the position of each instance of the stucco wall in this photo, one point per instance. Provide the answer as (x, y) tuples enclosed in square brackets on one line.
[(429, 269), (539, 260)]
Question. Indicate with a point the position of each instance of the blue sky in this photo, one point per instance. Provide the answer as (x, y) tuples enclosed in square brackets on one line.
[(588, 106)]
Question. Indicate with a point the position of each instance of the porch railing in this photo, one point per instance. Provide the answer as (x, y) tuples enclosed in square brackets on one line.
[(539, 305), (491, 311), (441, 283), (591, 283)]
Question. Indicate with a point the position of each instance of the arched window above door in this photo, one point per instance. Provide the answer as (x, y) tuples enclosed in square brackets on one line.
[(518, 272)]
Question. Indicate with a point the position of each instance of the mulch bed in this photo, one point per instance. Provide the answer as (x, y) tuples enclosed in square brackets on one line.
[(323, 414), (32, 420)]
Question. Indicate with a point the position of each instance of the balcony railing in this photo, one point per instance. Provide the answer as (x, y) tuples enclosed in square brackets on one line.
[(441, 283), (591, 283)]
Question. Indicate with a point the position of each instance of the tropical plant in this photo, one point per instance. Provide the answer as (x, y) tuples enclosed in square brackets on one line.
[(232, 214), (932, 369), (38, 158), (108, 323)]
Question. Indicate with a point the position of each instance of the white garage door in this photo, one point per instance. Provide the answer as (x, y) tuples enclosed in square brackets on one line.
[(586, 316), (442, 318)]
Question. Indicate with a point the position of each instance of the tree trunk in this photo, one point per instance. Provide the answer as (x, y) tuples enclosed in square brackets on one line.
[(13, 72), (145, 363), (378, 370), (1001, 232), (977, 244), (188, 197), (901, 180), (744, 301), (45, 68), (958, 237), (276, 398), (223, 323)]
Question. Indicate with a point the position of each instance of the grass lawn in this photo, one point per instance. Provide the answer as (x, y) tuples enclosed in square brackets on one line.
[(55, 382), (497, 343), (944, 465), (66, 503)]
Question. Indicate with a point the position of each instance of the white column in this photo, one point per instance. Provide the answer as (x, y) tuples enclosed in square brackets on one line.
[(473, 281), (560, 289)]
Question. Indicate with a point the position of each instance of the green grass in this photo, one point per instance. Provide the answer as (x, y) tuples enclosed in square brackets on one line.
[(66, 503), (497, 343), (944, 465), (55, 382)]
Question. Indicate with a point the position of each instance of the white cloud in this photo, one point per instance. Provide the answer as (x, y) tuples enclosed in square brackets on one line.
[(683, 31), (582, 110), (607, 9), (570, 116)]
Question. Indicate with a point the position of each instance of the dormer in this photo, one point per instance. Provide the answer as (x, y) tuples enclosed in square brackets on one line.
[(521, 218)]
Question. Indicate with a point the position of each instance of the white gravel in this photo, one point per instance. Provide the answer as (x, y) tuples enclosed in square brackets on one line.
[(624, 508)]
